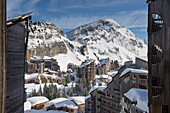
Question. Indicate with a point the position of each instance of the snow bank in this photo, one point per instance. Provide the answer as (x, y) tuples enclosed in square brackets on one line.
[(27, 106)]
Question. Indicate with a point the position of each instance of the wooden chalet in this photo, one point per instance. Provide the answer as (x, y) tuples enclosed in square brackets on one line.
[(38, 102), (62, 104), (17, 39)]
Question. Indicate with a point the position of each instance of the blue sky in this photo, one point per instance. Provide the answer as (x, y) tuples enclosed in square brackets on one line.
[(69, 14)]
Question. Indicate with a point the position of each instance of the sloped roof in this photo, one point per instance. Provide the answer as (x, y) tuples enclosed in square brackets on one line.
[(18, 19), (78, 100), (54, 101), (139, 95), (133, 71)]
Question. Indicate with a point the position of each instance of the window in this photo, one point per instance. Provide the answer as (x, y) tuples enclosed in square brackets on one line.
[(134, 78), (157, 54), (157, 86), (157, 22)]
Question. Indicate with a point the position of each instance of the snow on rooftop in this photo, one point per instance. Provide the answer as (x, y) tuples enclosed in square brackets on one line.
[(87, 97), (104, 61), (101, 76), (43, 111), (27, 106), (37, 100), (54, 101), (99, 88), (66, 103), (78, 100), (36, 75), (47, 58), (113, 73), (139, 95), (87, 62), (31, 76), (133, 71)]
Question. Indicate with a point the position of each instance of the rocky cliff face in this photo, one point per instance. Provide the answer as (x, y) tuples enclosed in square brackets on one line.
[(46, 39)]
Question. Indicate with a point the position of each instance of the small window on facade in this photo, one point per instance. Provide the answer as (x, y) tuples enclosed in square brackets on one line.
[(157, 54), (157, 86), (157, 22)]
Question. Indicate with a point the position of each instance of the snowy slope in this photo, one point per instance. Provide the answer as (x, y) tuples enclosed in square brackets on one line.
[(97, 40)]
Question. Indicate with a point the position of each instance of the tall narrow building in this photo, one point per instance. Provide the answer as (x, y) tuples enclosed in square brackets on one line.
[(16, 46), (159, 55)]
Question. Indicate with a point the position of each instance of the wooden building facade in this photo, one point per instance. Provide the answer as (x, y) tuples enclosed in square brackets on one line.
[(17, 38), (159, 55)]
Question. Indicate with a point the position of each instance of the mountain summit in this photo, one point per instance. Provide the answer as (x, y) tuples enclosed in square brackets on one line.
[(106, 38)]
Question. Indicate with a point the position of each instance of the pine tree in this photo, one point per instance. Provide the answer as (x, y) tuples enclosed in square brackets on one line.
[(94, 83), (64, 93), (68, 79), (33, 93), (40, 93), (116, 63)]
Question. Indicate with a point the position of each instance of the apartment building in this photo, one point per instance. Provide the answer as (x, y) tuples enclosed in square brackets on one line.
[(87, 69)]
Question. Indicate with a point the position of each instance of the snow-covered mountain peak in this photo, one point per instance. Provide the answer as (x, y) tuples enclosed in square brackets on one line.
[(106, 38), (97, 40)]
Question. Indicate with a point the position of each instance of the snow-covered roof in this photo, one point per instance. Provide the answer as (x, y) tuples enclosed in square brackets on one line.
[(86, 62), (99, 88), (78, 100), (87, 97), (133, 71), (66, 103), (27, 106), (54, 101), (31, 76), (113, 73), (47, 58), (139, 95), (35, 75), (37, 100), (43, 111), (104, 61), (102, 76)]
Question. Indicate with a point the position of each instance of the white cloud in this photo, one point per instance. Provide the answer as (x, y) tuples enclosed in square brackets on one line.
[(59, 5), (17, 7), (130, 19)]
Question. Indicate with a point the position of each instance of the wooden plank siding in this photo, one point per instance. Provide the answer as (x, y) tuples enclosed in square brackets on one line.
[(15, 96), (159, 64)]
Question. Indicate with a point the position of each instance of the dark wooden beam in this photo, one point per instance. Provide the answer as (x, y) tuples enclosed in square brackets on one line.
[(2, 55)]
